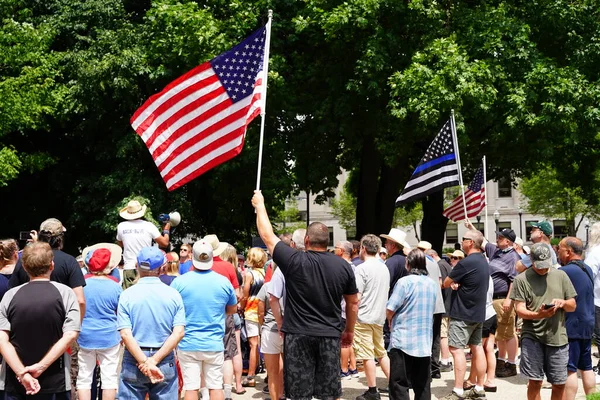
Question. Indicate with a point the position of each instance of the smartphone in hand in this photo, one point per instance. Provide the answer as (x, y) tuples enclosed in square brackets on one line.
[(548, 306)]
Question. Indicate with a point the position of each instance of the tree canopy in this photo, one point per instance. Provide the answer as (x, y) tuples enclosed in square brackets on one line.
[(360, 85)]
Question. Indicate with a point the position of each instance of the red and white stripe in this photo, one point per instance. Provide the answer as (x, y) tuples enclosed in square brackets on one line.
[(192, 125), (475, 203)]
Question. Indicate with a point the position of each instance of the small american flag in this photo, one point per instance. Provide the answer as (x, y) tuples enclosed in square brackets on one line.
[(474, 197), (199, 120)]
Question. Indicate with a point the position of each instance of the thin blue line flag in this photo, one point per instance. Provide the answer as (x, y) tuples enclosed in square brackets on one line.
[(438, 169)]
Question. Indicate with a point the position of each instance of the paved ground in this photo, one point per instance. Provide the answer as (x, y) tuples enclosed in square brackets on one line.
[(513, 388)]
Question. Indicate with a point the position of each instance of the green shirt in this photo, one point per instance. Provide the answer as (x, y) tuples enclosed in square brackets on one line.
[(535, 290)]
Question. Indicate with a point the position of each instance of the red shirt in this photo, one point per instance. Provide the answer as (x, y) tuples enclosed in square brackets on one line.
[(226, 269)]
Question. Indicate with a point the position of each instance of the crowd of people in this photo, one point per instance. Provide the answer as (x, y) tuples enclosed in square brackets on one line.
[(145, 321)]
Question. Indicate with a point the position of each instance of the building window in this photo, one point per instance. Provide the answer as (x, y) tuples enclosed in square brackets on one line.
[(480, 226), (504, 225), (452, 233), (528, 228), (560, 228), (504, 187), (330, 228)]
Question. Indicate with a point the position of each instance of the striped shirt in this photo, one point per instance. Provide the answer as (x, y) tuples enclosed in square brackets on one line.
[(413, 301)]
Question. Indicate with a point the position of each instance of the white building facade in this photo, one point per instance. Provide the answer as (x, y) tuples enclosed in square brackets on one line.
[(505, 208)]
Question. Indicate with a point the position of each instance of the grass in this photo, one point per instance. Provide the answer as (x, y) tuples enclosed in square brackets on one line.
[(593, 396)]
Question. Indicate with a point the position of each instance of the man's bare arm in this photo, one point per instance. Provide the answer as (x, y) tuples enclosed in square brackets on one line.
[(520, 267), (447, 283), (81, 300), (169, 344), (265, 229)]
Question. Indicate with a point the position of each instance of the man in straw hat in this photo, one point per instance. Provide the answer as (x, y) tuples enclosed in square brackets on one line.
[(396, 262), (135, 233)]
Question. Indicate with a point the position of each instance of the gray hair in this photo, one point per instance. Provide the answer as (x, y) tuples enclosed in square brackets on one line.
[(346, 247), (371, 243), (298, 238), (432, 253), (594, 235)]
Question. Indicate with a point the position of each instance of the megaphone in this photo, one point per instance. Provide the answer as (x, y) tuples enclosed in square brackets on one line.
[(175, 218)]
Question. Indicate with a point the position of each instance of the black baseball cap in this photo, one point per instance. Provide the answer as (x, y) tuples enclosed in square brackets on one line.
[(507, 233)]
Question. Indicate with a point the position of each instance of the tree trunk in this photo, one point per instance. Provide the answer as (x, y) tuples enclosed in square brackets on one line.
[(366, 199), (434, 223)]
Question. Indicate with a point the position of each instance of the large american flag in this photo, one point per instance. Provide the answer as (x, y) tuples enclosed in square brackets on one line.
[(199, 120), (474, 197), (437, 169)]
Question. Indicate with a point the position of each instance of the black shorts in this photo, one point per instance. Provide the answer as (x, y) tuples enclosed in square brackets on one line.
[(311, 367), (489, 327), (229, 340)]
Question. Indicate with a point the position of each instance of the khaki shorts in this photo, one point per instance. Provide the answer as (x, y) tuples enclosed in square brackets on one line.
[(368, 341), (444, 329), (197, 364), (506, 321)]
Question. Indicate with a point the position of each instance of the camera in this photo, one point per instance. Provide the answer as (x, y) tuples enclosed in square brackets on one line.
[(25, 235)]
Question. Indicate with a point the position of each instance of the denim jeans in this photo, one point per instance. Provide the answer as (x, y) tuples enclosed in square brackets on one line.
[(134, 385)]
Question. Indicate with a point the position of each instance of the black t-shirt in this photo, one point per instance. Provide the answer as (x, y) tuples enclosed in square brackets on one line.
[(315, 284), (66, 271), (473, 275), (396, 263), (36, 315)]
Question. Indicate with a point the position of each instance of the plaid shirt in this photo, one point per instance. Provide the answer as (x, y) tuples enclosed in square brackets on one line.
[(413, 301)]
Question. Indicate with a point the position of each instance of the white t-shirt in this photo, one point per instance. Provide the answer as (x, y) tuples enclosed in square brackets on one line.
[(135, 235), (592, 259)]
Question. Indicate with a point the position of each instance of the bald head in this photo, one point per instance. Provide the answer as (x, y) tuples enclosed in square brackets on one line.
[(317, 236)]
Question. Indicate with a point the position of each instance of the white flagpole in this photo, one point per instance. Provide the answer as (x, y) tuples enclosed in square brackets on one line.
[(486, 196), (460, 179), (263, 109)]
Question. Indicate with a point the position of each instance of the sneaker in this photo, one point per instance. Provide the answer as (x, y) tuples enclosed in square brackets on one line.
[(475, 394), (452, 396), (446, 367), (369, 396), (353, 373), (436, 375), (345, 375), (597, 379), (500, 366), (265, 390), (508, 371)]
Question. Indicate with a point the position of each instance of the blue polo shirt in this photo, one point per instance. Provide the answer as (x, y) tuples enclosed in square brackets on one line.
[(151, 310), (205, 295)]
